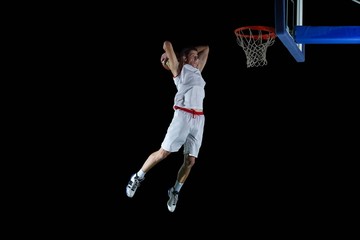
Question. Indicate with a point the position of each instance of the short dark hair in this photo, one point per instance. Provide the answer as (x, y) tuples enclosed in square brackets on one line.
[(185, 51)]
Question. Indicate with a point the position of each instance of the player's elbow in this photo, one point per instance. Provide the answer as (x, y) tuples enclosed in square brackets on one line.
[(166, 44)]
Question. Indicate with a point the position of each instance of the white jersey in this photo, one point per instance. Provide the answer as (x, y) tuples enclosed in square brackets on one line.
[(190, 88)]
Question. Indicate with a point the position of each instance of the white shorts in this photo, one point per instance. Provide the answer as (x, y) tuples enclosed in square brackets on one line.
[(185, 130)]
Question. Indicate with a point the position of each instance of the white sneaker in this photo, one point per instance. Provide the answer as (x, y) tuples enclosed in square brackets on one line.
[(133, 184), (173, 198)]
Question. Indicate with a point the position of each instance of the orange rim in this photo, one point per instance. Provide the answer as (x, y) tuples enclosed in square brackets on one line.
[(270, 32)]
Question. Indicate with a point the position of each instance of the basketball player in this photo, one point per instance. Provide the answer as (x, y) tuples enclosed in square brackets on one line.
[(187, 125)]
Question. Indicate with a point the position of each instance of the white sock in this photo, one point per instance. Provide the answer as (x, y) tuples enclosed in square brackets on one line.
[(178, 186), (141, 173)]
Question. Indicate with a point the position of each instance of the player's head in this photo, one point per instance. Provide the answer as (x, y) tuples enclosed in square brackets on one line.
[(190, 56)]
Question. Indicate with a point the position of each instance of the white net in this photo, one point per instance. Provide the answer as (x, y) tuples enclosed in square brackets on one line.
[(255, 40)]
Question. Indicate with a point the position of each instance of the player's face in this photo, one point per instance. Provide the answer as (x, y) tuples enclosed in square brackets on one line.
[(193, 59)]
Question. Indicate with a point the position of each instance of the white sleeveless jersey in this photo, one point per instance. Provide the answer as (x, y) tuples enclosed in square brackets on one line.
[(190, 88)]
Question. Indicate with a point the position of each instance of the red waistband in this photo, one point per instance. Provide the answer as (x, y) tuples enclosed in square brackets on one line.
[(192, 111)]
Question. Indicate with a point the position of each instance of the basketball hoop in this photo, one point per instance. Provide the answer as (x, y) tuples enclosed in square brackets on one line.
[(255, 40)]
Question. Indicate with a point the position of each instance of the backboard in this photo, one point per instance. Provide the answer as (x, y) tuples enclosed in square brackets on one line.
[(294, 35), (288, 15)]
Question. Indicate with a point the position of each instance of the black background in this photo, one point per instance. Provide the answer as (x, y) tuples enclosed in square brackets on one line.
[(272, 135)]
